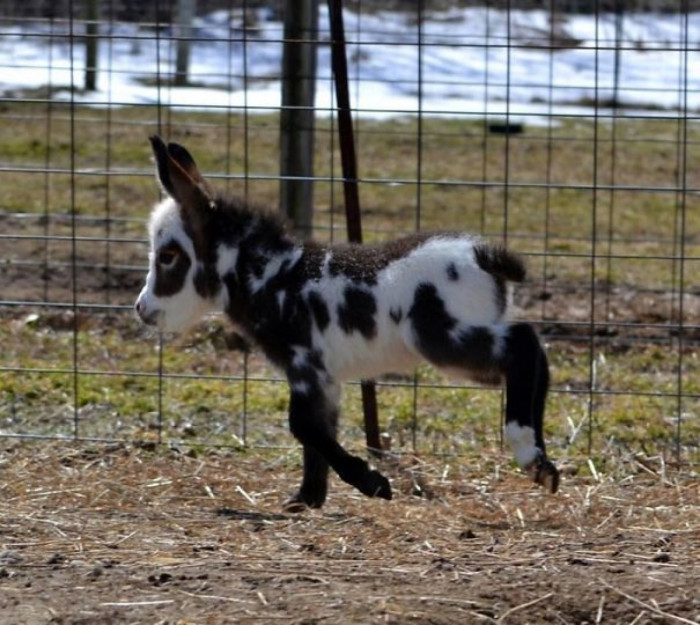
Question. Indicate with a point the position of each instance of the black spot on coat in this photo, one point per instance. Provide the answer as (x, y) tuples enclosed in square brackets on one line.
[(471, 348), (452, 272), (357, 312), (310, 371), (319, 309)]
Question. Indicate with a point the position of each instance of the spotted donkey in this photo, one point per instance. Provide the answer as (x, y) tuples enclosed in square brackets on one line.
[(323, 314)]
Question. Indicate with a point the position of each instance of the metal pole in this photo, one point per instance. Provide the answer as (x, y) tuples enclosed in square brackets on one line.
[(297, 115), (91, 43), (350, 189), (619, 19)]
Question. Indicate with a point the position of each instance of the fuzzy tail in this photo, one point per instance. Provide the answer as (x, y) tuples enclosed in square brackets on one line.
[(499, 262)]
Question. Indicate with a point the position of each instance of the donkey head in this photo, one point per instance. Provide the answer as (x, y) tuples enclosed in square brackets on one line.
[(182, 284)]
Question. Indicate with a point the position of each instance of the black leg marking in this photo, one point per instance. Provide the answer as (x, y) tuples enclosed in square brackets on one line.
[(314, 484), (310, 420), (527, 382), (527, 379), (305, 380)]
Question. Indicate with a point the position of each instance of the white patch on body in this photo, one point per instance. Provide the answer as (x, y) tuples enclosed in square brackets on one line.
[(350, 355), (470, 298), (522, 441)]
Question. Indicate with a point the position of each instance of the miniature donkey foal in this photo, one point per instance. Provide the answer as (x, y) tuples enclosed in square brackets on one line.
[(323, 314)]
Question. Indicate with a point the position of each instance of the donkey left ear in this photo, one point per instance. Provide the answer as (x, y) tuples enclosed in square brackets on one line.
[(179, 176), (160, 153)]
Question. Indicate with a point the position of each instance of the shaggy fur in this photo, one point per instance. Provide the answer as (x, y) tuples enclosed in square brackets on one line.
[(325, 314)]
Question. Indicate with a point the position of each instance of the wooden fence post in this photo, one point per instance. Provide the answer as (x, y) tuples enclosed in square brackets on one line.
[(297, 116), (186, 10)]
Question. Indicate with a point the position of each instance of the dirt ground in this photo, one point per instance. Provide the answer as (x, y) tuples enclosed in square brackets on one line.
[(124, 534), (118, 534)]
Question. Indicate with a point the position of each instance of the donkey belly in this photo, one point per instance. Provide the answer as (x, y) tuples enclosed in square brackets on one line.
[(353, 356)]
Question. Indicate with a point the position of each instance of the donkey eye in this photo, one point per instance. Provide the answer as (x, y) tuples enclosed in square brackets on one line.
[(167, 257)]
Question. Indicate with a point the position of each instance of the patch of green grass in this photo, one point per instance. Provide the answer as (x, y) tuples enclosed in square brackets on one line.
[(634, 403)]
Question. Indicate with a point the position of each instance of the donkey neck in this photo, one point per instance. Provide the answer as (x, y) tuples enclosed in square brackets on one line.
[(264, 250), (255, 259)]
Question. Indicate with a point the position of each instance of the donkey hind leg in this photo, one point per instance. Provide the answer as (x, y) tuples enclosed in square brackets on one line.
[(312, 420), (524, 364), (489, 353)]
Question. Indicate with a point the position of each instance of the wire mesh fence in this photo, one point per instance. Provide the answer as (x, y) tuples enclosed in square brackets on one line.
[(572, 137)]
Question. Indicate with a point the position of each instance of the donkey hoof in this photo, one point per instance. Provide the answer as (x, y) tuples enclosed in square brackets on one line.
[(301, 502), (377, 485), (295, 505), (544, 473)]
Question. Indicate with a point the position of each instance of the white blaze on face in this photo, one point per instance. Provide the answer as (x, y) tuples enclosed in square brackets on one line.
[(169, 298), (522, 441)]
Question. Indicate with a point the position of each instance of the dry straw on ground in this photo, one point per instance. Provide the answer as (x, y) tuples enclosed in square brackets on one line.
[(128, 535)]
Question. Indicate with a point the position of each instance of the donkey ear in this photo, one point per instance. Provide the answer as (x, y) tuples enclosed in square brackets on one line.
[(179, 176), (160, 153)]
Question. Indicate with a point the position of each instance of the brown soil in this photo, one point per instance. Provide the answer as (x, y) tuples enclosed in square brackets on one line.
[(130, 535)]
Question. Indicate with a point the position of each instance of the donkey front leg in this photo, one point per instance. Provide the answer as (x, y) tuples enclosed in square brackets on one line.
[(312, 419), (314, 484), (527, 381)]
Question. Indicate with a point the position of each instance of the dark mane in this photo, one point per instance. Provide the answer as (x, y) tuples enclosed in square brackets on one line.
[(235, 214)]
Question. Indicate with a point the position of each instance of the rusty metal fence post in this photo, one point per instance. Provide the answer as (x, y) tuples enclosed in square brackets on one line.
[(350, 188)]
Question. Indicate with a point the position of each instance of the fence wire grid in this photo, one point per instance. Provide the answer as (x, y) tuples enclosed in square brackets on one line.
[(572, 137)]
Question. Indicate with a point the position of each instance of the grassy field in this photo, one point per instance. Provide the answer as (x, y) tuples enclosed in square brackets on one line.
[(597, 209)]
